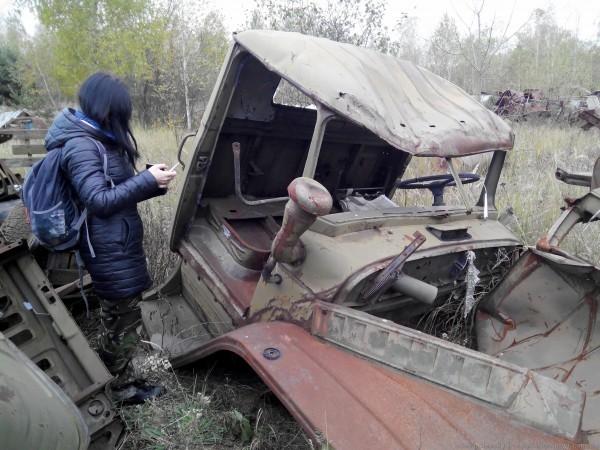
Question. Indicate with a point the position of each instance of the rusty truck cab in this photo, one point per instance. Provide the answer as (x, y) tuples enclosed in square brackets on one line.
[(306, 249)]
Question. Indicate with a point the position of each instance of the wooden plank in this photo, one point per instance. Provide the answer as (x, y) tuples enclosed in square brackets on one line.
[(25, 134), (589, 117), (20, 162), (61, 277), (68, 288), (28, 149)]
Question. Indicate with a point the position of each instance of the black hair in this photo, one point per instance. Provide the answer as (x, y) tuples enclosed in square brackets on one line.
[(105, 99)]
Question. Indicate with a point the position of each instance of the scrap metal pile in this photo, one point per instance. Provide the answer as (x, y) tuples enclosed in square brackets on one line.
[(532, 103)]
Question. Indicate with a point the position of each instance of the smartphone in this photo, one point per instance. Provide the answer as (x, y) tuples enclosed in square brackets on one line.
[(170, 170)]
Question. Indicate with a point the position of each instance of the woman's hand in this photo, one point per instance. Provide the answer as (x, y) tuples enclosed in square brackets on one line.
[(162, 174)]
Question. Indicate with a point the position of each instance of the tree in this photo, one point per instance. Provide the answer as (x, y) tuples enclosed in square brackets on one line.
[(553, 59), (198, 44), (356, 22), (403, 40), (480, 44), (10, 83), (92, 35), (444, 49)]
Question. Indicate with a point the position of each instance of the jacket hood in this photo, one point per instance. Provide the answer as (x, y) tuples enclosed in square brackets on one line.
[(66, 126)]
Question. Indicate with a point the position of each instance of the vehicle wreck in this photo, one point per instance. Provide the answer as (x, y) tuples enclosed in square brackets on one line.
[(531, 103), (310, 249), (296, 259)]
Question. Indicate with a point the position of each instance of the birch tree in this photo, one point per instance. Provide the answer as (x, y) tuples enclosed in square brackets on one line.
[(444, 54), (356, 22), (481, 43), (198, 43)]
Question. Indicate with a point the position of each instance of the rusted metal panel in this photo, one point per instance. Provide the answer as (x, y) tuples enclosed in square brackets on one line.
[(20, 162), (404, 104), (24, 134), (584, 209), (35, 412), (503, 385), (28, 149), (342, 249), (530, 102), (544, 316), (231, 291), (35, 319), (353, 404)]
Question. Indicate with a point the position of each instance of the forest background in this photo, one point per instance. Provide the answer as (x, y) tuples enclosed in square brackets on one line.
[(170, 52)]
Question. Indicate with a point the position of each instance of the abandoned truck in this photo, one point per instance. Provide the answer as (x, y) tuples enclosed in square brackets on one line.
[(310, 250), (296, 259)]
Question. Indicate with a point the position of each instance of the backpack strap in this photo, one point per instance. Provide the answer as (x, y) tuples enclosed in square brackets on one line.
[(80, 270), (104, 158), (83, 219)]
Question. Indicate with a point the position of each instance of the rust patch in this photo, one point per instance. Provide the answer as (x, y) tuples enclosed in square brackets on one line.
[(381, 408), (280, 309), (593, 309), (509, 325)]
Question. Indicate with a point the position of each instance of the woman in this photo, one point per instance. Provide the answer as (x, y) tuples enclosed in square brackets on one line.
[(114, 227)]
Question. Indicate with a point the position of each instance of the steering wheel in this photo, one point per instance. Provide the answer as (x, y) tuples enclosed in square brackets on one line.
[(436, 184)]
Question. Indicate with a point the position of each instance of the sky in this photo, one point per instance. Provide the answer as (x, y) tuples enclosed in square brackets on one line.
[(581, 16)]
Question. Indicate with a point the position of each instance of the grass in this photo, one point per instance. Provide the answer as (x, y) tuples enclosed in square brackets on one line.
[(158, 146), (217, 404), (529, 186)]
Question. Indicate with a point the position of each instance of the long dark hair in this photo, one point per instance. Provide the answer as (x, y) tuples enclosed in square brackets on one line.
[(105, 99)]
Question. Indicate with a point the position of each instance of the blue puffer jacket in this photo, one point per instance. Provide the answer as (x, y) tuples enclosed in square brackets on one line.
[(115, 229)]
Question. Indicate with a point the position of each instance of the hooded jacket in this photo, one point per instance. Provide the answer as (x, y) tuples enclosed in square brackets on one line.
[(114, 225)]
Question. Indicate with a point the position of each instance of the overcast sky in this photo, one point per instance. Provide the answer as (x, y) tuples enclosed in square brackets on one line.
[(581, 16)]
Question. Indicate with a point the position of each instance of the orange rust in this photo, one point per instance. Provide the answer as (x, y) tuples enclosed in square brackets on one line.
[(543, 244), (316, 381), (504, 331)]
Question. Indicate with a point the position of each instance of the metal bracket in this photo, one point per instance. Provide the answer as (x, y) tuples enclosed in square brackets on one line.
[(390, 274), (201, 163), (459, 185)]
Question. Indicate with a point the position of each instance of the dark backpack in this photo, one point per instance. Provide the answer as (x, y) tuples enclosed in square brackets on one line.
[(54, 215)]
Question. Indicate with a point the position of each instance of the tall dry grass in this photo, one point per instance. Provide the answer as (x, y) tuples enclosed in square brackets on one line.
[(529, 186), (158, 145)]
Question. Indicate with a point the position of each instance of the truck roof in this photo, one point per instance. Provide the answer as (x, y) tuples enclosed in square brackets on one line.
[(406, 105)]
